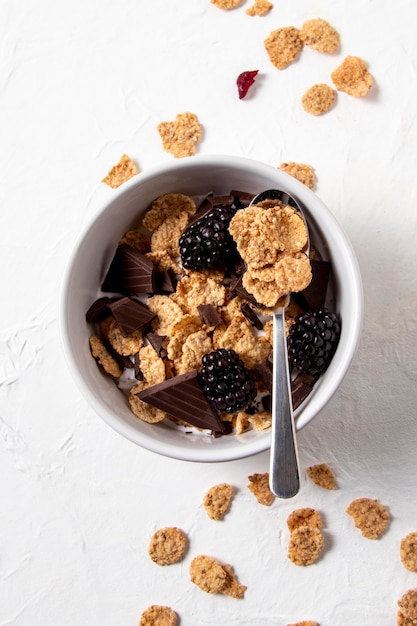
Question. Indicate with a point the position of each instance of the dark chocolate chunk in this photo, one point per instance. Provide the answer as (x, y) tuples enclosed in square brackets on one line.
[(267, 402), (166, 281), (251, 316), (314, 296), (130, 272), (124, 361), (131, 315), (157, 343), (243, 198), (221, 200), (98, 310), (237, 289), (183, 398), (301, 386), (138, 372), (209, 315)]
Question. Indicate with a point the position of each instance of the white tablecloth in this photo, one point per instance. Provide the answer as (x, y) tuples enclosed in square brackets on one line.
[(80, 84)]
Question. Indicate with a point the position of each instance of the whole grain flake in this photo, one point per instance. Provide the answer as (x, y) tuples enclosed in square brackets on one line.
[(370, 516), (181, 136), (167, 546), (322, 476), (217, 500), (211, 576), (260, 7), (283, 45), (301, 171), (353, 77), (121, 172), (318, 99), (227, 4), (408, 552), (156, 615), (259, 486), (319, 35)]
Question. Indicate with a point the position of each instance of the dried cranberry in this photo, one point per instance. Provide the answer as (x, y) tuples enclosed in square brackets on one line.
[(244, 81)]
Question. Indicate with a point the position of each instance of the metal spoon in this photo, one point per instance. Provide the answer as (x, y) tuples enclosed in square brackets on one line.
[(284, 474)]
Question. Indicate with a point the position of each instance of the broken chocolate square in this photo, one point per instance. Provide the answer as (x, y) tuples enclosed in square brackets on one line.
[(209, 315), (314, 296), (130, 315), (183, 398), (251, 316), (130, 272)]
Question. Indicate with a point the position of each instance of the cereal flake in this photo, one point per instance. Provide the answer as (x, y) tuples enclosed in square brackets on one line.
[(283, 46), (151, 365), (260, 7), (121, 172), (226, 4), (103, 357), (167, 546), (127, 346), (259, 486), (213, 577), (408, 552), (165, 237), (322, 475), (217, 500), (318, 34), (158, 616), (304, 517), (370, 517), (408, 605), (301, 171), (353, 77), (181, 137), (306, 543), (318, 99), (144, 411), (166, 206), (137, 240)]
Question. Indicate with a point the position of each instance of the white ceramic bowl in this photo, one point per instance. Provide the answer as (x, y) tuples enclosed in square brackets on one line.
[(85, 271)]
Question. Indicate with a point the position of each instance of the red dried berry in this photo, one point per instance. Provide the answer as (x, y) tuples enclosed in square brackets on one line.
[(244, 81)]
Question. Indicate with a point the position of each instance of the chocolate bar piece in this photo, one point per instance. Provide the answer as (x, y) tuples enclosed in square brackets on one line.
[(157, 343), (130, 272), (251, 316), (98, 310), (209, 315), (243, 198), (130, 315), (183, 398), (314, 296)]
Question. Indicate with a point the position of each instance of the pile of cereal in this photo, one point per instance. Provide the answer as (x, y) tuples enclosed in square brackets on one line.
[(189, 310)]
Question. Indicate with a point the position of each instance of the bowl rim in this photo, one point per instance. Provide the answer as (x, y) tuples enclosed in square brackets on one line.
[(231, 451)]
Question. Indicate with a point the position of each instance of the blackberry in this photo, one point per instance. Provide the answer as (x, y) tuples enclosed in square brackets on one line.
[(207, 243), (312, 340), (226, 382)]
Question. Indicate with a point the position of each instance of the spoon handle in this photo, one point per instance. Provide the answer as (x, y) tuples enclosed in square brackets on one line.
[(284, 472)]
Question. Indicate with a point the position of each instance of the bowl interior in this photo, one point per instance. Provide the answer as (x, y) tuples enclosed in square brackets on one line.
[(93, 252)]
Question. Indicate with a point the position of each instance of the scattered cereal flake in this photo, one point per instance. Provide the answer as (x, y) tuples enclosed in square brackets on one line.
[(185, 326), (181, 137), (167, 235), (217, 500), (283, 46), (208, 574), (233, 588), (167, 546), (306, 543), (121, 172), (318, 99), (151, 365), (322, 475), (158, 616), (369, 516), (260, 7), (142, 410), (352, 77), (304, 624), (408, 605), (227, 4), (318, 34), (213, 577), (199, 288), (127, 346), (402, 620), (304, 517), (104, 358), (301, 171), (408, 552), (259, 486), (136, 239), (166, 206)]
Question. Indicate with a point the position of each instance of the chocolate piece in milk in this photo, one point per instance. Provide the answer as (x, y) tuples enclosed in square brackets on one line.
[(130, 272), (314, 296), (130, 315), (183, 398)]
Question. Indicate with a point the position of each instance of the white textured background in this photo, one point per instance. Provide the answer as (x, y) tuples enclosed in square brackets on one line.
[(81, 82)]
